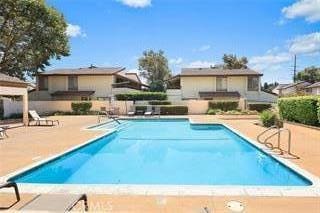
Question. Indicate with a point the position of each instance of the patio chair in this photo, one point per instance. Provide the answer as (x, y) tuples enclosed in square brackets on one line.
[(148, 111), (132, 111), (55, 202), (3, 132), (102, 113), (35, 116), (157, 111)]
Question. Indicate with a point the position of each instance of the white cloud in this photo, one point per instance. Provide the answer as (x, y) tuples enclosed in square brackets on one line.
[(198, 64), (176, 61), (136, 3), (309, 9), (305, 44), (270, 58), (204, 48), (269, 61), (74, 31)]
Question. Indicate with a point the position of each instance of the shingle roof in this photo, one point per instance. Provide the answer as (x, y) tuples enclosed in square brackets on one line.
[(300, 83), (7, 78), (317, 84), (85, 71), (218, 72)]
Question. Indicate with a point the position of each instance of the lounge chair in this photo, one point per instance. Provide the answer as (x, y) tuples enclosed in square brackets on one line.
[(148, 111), (132, 111), (55, 202), (3, 132), (157, 111), (11, 185), (113, 113), (38, 119)]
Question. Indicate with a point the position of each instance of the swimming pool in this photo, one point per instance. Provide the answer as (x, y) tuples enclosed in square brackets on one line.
[(166, 152)]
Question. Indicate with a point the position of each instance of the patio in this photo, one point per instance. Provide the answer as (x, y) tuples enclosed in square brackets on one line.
[(27, 145)]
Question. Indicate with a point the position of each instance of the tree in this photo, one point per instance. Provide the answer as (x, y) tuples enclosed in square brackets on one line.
[(232, 62), (269, 87), (154, 67), (31, 33), (309, 74)]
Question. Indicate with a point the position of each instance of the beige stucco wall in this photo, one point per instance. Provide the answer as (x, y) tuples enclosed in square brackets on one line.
[(57, 83), (191, 86), (237, 84), (315, 91), (53, 106), (102, 85)]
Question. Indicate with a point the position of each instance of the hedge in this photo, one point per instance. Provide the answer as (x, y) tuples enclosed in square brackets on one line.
[(174, 110), (224, 105), (303, 109), (159, 102), (259, 107), (141, 96), (168, 110), (81, 108)]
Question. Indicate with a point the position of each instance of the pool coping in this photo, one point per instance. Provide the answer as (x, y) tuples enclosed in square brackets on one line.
[(172, 190)]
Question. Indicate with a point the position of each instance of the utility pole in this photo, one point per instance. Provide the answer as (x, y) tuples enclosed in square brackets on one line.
[(295, 68)]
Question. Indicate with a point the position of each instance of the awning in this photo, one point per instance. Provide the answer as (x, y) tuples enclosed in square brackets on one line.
[(72, 93), (207, 95)]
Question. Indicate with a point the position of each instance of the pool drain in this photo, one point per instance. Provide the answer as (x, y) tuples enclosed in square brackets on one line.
[(235, 206)]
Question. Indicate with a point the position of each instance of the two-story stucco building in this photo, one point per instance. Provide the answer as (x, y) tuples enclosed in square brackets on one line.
[(91, 83), (220, 84)]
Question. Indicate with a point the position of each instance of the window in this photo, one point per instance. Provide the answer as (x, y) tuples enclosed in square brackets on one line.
[(43, 82), (72, 82), (253, 83), (221, 83)]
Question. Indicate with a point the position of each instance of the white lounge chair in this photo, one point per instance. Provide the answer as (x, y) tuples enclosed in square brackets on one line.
[(148, 111), (54, 203), (157, 111), (3, 132), (132, 111), (38, 119)]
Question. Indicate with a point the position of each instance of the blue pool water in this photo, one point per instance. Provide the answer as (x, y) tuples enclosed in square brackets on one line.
[(166, 152)]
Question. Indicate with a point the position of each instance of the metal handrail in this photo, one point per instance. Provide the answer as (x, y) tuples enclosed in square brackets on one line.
[(278, 132), (264, 132)]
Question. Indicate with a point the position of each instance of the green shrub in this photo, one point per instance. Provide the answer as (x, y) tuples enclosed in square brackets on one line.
[(268, 118), (224, 105), (141, 108), (141, 96), (81, 108), (14, 116), (303, 109), (318, 110), (174, 110), (213, 111), (259, 107), (159, 102)]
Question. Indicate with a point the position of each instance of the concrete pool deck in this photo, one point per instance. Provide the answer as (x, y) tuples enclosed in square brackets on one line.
[(28, 145)]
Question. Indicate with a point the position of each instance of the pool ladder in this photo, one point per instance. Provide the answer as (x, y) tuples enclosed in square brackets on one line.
[(278, 134)]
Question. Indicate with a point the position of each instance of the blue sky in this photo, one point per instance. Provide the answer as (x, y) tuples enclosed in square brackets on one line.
[(193, 33)]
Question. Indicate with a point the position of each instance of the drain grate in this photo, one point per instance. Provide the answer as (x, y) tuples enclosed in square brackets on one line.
[(235, 206)]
